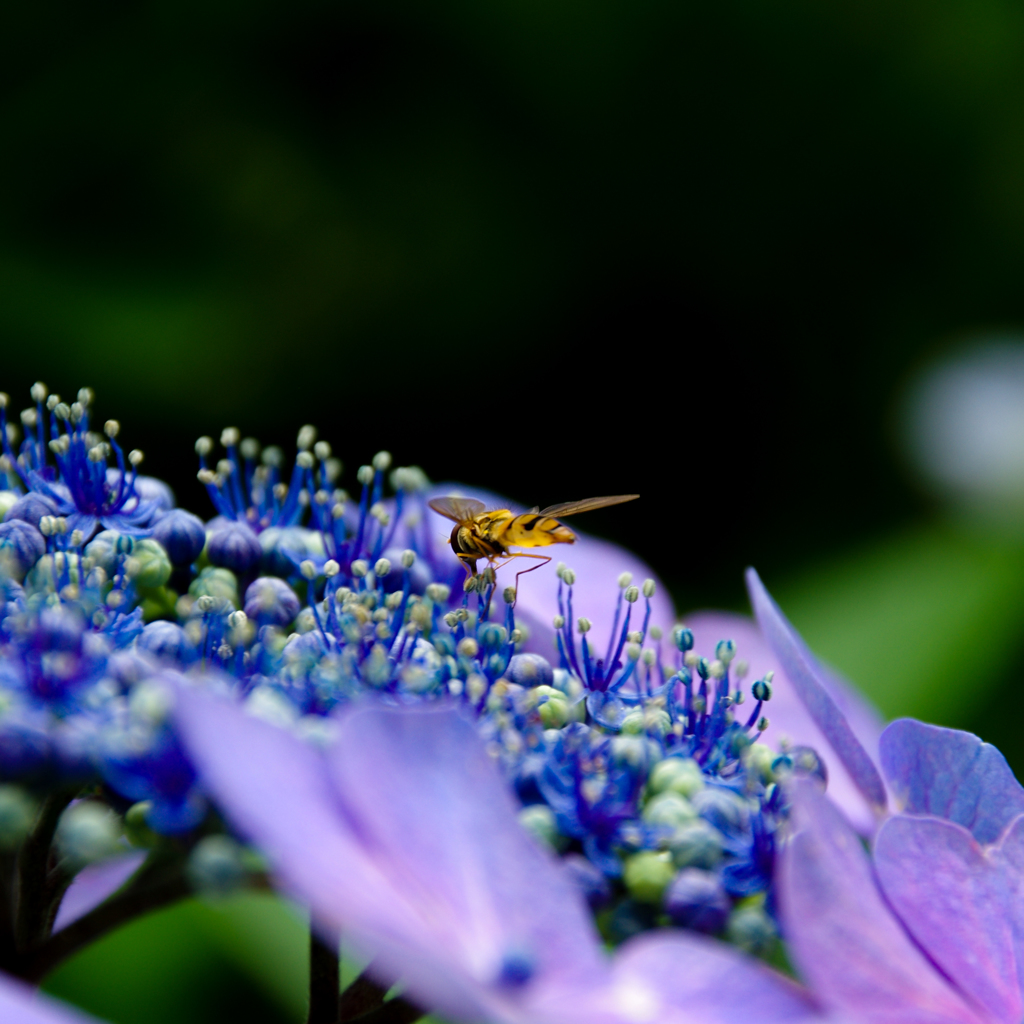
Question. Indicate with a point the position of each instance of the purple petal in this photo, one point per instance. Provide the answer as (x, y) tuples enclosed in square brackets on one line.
[(444, 927), (807, 677), (849, 947), (954, 902), (788, 715), (950, 774), (20, 1004), (93, 884), (421, 790), (689, 977), (597, 564), (276, 791), (1010, 856)]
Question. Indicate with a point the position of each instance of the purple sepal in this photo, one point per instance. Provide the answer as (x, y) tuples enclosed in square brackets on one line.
[(960, 902), (93, 884), (806, 675), (841, 933), (20, 1004), (950, 774)]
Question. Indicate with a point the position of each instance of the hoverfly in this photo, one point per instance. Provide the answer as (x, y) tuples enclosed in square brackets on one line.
[(482, 534)]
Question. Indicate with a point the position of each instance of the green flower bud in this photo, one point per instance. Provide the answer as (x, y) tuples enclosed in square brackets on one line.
[(696, 845), (669, 809), (215, 866), (647, 875), (7, 499), (555, 711), (539, 821), (136, 825), (40, 578), (758, 758), (676, 774), (216, 583), (17, 812), (632, 723), (153, 567), (88, 831), (750, 927), (305, 621)]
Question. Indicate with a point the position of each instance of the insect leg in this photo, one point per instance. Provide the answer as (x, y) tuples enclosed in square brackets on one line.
[(544, 559)]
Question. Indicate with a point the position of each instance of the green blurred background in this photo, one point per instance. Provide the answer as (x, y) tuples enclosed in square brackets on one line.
[(696, 250)]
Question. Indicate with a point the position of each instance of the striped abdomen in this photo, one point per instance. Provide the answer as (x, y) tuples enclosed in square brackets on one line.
[(530, 530)]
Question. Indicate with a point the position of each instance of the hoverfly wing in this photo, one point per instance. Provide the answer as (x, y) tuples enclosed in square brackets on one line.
[(461, 510), (571, 508)]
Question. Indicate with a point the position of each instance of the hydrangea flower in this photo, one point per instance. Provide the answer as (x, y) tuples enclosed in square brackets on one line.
[(404, 833), (636, 750)]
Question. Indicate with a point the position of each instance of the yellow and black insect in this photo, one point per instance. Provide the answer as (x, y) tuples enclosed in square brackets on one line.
[(482, 534)]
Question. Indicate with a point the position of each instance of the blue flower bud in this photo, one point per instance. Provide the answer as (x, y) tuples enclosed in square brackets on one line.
[(234, 547), (697, 845), (762, 690), (102, 550), (182, 535), (530, 670), (21, 546), (167, 641), (723, 808), (152, 489), (269, 601), (697, 900), (589, 879), (30, 508), (283, 548), (60, 628), (703, 668)]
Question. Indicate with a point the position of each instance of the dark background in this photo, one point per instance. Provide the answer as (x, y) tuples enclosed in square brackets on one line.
[(553, 248)]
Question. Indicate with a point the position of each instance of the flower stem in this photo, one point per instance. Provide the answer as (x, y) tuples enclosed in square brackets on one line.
[(39, 883), (159, 882), (324, 980)]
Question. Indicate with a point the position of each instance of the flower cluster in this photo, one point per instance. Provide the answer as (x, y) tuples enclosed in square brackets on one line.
[(635, 763), (470, 778)]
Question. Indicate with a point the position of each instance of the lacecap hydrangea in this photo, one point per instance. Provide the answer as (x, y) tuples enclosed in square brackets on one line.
[(635, 756)]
